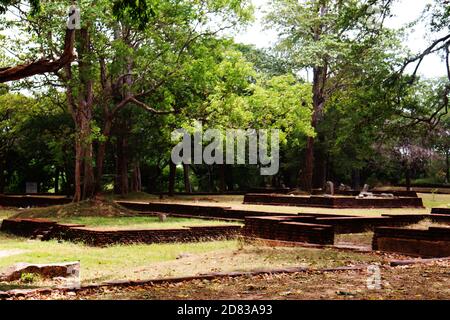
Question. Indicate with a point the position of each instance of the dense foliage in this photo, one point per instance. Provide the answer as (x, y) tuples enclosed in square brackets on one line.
[(145, 68)]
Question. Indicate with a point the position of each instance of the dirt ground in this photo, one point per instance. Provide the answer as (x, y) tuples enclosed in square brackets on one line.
[(426, 281)]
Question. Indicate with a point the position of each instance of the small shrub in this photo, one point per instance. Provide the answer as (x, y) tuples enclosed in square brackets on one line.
[(433, 192), (29, 278)]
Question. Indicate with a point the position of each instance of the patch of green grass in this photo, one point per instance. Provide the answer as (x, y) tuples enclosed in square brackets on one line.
[(139, 261), (4, 214), (99, 264), (29, 278), (435, 200), (141, 222)]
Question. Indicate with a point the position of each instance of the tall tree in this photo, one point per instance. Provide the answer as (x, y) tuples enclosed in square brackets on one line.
[(328, 37), (121, 63)]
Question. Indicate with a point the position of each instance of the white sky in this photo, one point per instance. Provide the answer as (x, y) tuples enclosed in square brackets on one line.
[(405, 11)]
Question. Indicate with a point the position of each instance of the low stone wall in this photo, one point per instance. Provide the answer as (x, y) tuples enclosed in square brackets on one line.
[(279, 228), (319, 229), (440, 211), (332, 202), (77, 233), (344, 225), (175, 208), (26, 227), (433, 242), (148, 236), (269, 190), (192, 210), (439, 218), (410, 194), (32, 201)]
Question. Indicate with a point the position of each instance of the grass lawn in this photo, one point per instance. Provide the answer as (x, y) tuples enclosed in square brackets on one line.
[(129, 222), (435, 200), (6, 213), (142, 222), (167, 260)]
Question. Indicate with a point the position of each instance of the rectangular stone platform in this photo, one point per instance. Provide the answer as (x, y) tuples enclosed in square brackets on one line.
[(318, 229), (193, 210), (95, 237), (440, 211), (332, 201), (280, 228), (24, 201), (432, 242)]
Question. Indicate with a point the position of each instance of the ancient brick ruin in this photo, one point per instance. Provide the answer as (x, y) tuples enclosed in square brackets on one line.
[(47, 230)]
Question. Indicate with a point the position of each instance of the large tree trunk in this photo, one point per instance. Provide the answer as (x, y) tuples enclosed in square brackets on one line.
[(121, 184), (187, 180), (408, 177), (172, 175), (229, 177), (210, 178), (318, 90), (81, 111), (356, 179), (101, 154), (88, 177), (56, 184), (2, 178), (136, 182), (85, 104), (447, 166), (319, 172), (78, 166), (306, 176), (222, 175)]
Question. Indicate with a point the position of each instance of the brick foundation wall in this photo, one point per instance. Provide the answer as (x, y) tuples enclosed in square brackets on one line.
[(353, 193), (332, 202), (78, 233), (193, 210), (31, 201), (355, 224), (279, 228), (440, 211), (319, 229), (26, 227), (440, 218), (434, 242)]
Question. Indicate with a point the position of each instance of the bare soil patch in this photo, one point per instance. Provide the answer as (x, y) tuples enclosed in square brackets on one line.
[(409, 282)]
